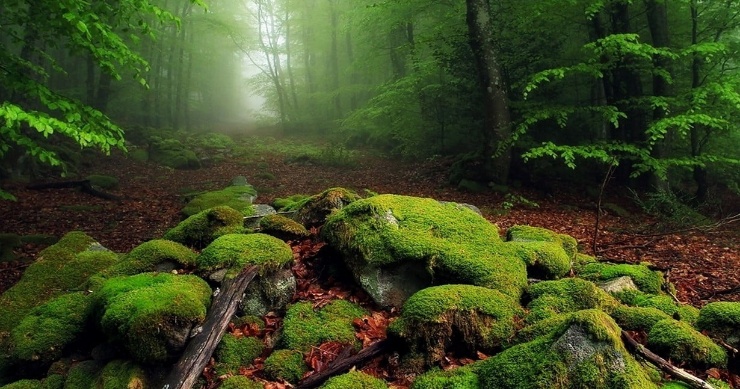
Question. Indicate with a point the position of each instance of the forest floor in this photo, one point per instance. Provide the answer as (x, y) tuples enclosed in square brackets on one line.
[(701, 262)]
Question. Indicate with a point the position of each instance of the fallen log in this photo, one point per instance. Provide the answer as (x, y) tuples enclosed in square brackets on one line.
[(345, 364), (84, 185), (680, 374), (200, 348)]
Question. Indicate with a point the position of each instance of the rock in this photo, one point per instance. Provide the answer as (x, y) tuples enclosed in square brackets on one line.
[(239, 198), (199, 230), (270, 292), (259, 211), (646, 280), (722, 319), (617, 285), (680, 342), (315, 210), (282, 227), (239, 181)]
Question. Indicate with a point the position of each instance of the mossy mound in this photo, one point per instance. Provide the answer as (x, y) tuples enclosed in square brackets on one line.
[(290, 204), (285, 365), (281, 226), (464, 377), (24, 384), (86, 264), (171, 153), (240, 382), (151, 314), (520, 233), (103, 182), (83, 375), (233, 352), (122, 374), (550, 298), (315, 209), (235, 251), (303, 327), (238, 197), (662, 302), (449, 242), (43, 334), (577, 350), (638, 318), (544, 260), (647, 280), (355, 380), (721, 319), (680, 342), (201, 229), (465, 318)]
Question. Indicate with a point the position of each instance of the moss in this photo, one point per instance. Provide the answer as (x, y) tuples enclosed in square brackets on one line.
[(122, 374), (145, 258), (721, 319), (680, 342), (550, 298), (202, 228), (290, 204), (317, 208), (172, 153), (86, 264), (54, 381), (303, 327), (104, 182), (249, 320), (148, 312), (280, 224), (234, 352), (235, 251), (83, 375), (662, 302), (466, 317), (356, 380), (675, 385), (461, 378), (139, 155), (646, 280), (545, 260), (638, 318), (550, 360), (454, 244), (48, 328), (237, 197), (285, 365), (522, 233), (687, 313), (240, 382), (23, 384), (582, 260)]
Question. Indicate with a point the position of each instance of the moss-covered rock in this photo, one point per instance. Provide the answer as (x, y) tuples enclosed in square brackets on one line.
[(270, 292), (520, 233), (315, 209), (53, 381), (463, 318), (83, 375), (235, 251), (550, 298), (170, 152), (152, 314), (282, 227), (397, 245), (23, 384), (304, 327), (87, 264), (291, 203), (577, 350), (121, 374), (355, 380), (647, 280), (238, 197), (544, 260), (464, 377), (662, 302), (721, 319), (638, 318), (680, 342), (202, 228), (240, 382), (234, 352), (285, 365)]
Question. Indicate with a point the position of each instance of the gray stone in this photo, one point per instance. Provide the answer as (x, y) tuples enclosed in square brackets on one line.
[(239, 181), (576, 347), (259, 211), (270, 292), (618, 284), (392, 286)]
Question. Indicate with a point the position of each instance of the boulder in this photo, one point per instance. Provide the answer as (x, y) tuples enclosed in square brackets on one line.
[(269, 293), (616, 285), (721, 319), (315, 209), (239, 197), (199, 230)]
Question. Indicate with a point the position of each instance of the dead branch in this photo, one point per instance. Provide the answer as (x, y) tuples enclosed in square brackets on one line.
[(664, 365), (345, 364), (84, 186)]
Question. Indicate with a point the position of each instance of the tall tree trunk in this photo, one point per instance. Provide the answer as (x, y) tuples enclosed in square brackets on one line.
[(181, 66), (334, 60), (102, 97), (496, 119), (397, 42), (700, 173), (657, 15), (289, 58)]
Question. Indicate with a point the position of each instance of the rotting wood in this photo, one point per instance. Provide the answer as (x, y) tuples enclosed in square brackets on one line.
[(198, 352), (680, 374), (343, 365), (84, 185)]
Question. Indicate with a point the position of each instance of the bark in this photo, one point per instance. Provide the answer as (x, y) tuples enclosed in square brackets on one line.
[(695, 135), (657, 15), (496, 120), (343, 365)]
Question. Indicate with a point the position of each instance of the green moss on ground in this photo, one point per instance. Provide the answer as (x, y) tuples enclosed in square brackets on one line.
[(290, 204), (102, 181), (240, 382), (680, 342), (466, 317), (202, 228), (521, 233), (53, 381), (456, 245), (303, 327), (464, 377), (86, 265), (647, 280), (171, 153), (120, 374), (42, 334), (285, 365), (281, 225), (133, 307), (237, 197), (235, 251), (234, 352), (355, 380), (550, 298), (721, 319), (638, 318)]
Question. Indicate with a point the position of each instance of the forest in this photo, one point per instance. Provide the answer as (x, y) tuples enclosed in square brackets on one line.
[(191, 149)]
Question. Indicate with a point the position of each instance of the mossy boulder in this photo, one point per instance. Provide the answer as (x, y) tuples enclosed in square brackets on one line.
[(550, 298), (83, 375), (235, 251), (576, 350), (647, 280), (662, 302), (465, 377), (171, 153), (199, 230), (315, 209), (638, 318), (721, 319), (240, 382), (304, 327), (285, 365), (398, 245), (120, 374), (291, 203), (152, 314), (544, 260), (234, 352), (680, 342), (24, 384), (521, 233), (282, 227), (461, 318), (238, 197), (355, 380), (269, 292)]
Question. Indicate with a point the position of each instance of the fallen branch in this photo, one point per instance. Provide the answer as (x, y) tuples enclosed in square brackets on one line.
[(84, 185), (664, 365), (342, 365), (198, 352), (722, 292)]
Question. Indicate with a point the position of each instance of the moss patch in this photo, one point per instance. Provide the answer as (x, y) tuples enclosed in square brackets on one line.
[(83, 375), (290, 204), (680, 342), (662, 302), (150, 313), (240, 382), (550, 298), (235, 251), (303, 327), (315, 209), (461, 378), (234, 352), (544, 260), (122, 374), (638, 318), (646, 280), (237, 197), (103, 182), (23, 384), (285, 365), (721, 319), (280, 225), (170, 152), (356, 380), (522, 233), (202, 228)]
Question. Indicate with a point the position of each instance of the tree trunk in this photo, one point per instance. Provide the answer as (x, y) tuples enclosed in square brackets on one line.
[(657, 15), (496, 120), (700, 173), (334, 60), (289, 58)]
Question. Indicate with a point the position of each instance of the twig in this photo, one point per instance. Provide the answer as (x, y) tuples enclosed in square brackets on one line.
[(607, 177), (343, 365)]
